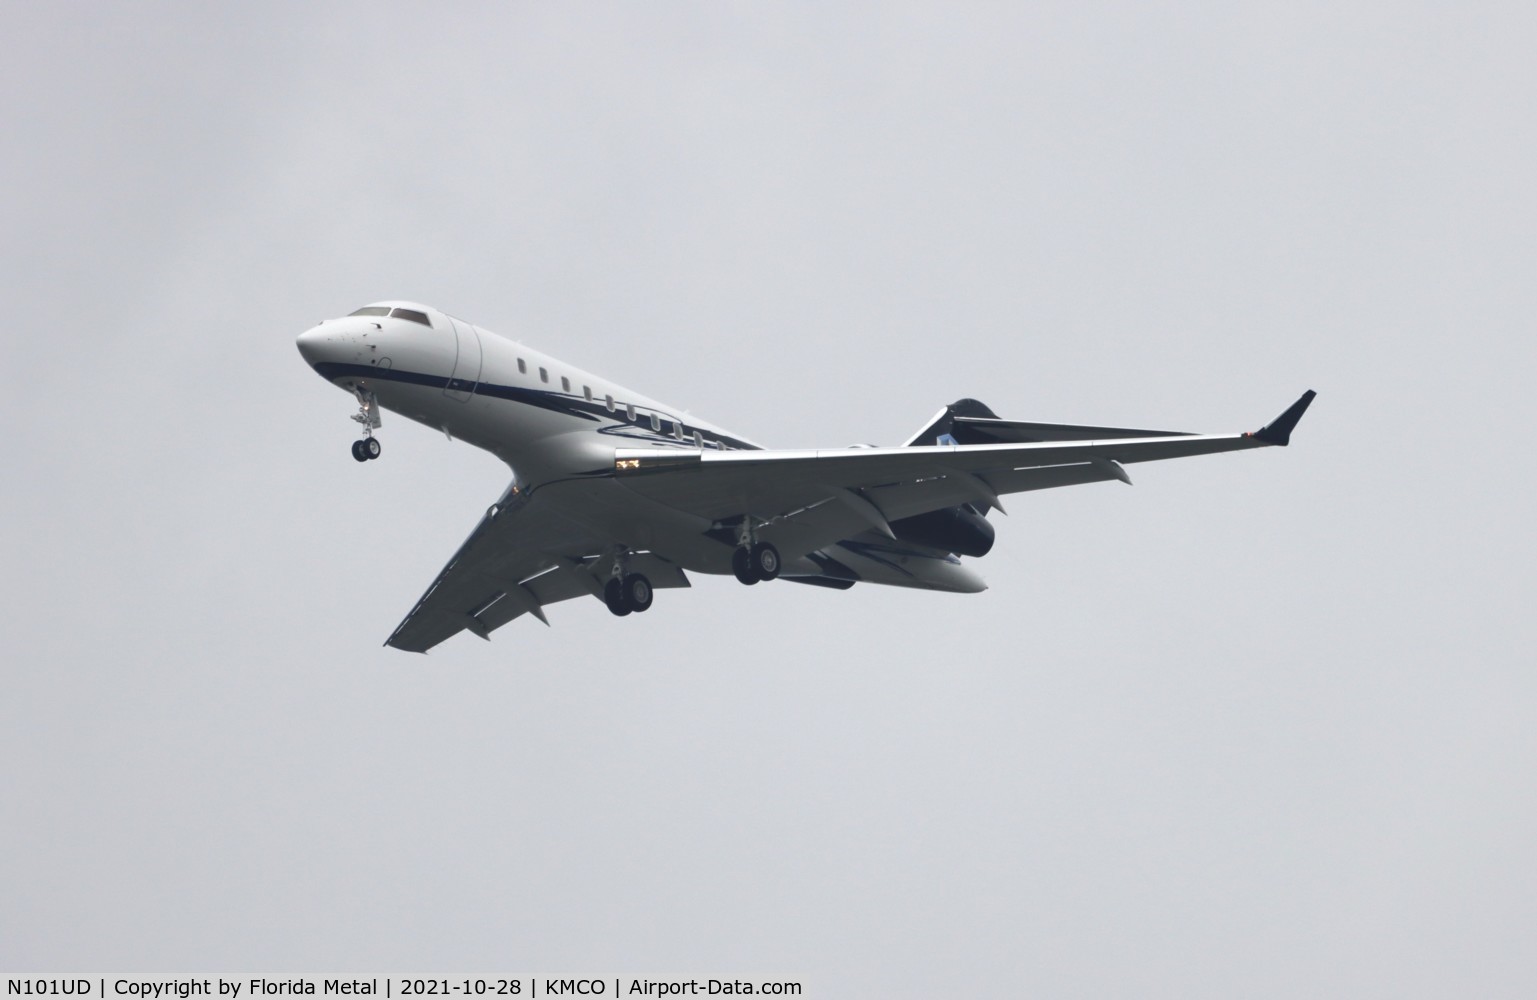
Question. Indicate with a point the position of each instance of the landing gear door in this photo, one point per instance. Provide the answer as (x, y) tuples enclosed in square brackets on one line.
[(461, 384)]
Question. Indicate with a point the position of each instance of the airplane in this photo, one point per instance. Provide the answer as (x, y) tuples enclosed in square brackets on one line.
[(616, 495)]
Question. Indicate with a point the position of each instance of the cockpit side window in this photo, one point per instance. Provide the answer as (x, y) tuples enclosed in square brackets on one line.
[(371, 311), (412, 315)]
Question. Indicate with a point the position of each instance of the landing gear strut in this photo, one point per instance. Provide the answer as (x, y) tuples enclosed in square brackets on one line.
[(754, 561), (368, 448)]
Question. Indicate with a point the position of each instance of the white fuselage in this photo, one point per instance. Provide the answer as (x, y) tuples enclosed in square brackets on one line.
[(458, 378)]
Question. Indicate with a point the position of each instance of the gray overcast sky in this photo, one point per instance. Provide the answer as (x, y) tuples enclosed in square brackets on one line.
[(1260, 726)]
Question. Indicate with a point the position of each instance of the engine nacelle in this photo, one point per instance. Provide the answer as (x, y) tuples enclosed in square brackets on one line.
[(953, 529)]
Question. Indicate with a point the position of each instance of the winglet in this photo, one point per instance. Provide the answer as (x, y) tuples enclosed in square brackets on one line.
[(1279, 430)]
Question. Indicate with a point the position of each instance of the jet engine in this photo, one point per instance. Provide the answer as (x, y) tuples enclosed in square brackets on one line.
[(951, 529)]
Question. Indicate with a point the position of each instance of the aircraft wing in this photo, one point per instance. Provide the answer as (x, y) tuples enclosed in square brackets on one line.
[(523, 555), (806, 499), (536, 548)]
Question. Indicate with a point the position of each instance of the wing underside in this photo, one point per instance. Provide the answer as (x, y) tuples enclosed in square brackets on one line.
[(523, 555)]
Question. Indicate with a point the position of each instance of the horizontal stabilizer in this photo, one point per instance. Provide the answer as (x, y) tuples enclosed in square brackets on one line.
[(981, 430), (1279, 430), (943, 422), (966, 421)]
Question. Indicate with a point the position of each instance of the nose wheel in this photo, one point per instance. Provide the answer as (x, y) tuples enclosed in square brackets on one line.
[(367, 449)]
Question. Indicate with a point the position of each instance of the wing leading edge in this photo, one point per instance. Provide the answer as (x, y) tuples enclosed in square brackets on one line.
[(903, 482)]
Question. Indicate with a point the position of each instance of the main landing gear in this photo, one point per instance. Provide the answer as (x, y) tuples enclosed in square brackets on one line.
[(368, 415), (755, 562), (631, 593), (626, 592)]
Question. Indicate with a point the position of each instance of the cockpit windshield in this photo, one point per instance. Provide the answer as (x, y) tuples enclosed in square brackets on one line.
[(414, 315)]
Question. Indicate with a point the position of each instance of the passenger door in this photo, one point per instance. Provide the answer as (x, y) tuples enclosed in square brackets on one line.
[(467, 360)]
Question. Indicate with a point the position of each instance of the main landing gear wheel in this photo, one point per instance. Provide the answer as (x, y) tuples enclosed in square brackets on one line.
[(765, 561), (761, 562), (366, 449), (613, 596), (357, 451), (637, 592), (631, 593), (741, 565)]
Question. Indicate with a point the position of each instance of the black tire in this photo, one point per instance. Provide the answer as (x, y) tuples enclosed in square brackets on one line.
[(372, 448), (765, 561), (637, 592), (357, 451), (741, 565), (613, 596)]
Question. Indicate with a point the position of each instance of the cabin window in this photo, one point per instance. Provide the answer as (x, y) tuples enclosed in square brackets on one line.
[(656, 422), (629, 412), (587, 393), (677, 430), (698, 440), (565, 384), (522, 367), (544, 374), (608, 401)]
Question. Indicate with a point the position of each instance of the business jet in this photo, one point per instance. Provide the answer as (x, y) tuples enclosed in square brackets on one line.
[(616, 495)]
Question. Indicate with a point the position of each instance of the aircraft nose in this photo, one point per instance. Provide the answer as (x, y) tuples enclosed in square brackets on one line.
[(312, 343)]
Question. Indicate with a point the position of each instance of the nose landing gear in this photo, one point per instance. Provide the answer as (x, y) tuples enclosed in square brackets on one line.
[(368, 448)]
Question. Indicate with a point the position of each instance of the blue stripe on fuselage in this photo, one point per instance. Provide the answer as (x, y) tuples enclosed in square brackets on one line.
[(556, 402)]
